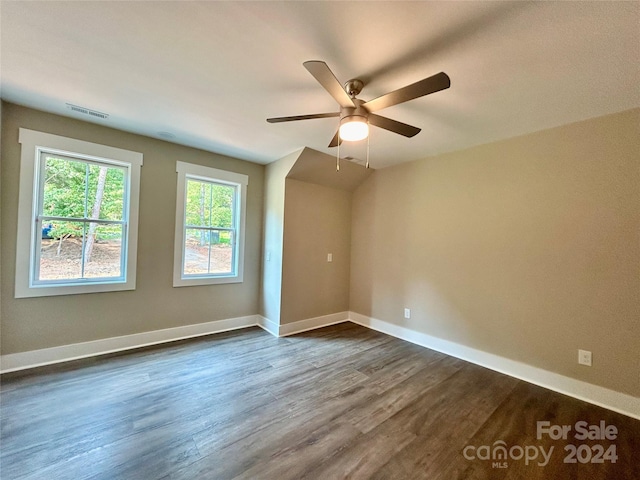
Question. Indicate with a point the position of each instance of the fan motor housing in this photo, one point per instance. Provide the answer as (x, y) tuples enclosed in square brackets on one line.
[(357, 111)]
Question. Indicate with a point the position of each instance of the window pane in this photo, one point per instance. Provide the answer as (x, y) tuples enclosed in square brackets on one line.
[(209, 215), (222, 206), (221, 252), (198, 201), (64, 187), (61, 253), (103, 251), (196, 252), (106, 192)]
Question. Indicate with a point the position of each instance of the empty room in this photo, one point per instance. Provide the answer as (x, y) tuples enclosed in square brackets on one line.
[(319, 240)]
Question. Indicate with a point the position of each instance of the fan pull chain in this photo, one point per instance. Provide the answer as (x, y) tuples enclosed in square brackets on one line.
[(368, 141), (338, 157)]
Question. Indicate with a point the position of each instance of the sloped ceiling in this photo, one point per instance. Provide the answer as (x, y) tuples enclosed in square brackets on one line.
[(210, 73), (319, 168)]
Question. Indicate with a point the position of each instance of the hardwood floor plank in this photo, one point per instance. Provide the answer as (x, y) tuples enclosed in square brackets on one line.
[(164, 447), (390, 402), (338, 402), (365, 455), (444, 419), (293, 458), (278, 423), (449, 401), (512, 422)]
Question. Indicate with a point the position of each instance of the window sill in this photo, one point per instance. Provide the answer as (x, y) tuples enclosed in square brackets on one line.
[(73, 289), (198, 281)]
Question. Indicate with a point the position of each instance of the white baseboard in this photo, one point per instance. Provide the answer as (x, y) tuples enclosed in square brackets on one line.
[(603, 397), (268, 325), (37, 358), (46, 356), (312, 323), (283, 330)]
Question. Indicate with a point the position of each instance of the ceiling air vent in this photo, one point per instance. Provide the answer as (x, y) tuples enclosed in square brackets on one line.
[(87, 111), (355, 160)]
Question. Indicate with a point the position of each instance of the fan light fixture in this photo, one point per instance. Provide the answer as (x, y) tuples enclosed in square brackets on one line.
[(355, 114), (354, 128)]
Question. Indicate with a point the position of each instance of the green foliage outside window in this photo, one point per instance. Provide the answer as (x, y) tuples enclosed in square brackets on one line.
[(209, 205), (77, 189)]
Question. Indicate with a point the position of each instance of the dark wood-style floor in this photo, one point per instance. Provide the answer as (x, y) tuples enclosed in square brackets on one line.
[(339, 402)]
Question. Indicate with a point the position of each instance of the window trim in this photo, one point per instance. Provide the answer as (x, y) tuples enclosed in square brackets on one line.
[(33, 143), (190, 170)]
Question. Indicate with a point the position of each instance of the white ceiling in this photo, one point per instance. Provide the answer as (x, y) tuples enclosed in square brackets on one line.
[(210, 73)]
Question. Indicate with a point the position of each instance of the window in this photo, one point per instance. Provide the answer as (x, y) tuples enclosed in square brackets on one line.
[(77, 216), (210, 218)]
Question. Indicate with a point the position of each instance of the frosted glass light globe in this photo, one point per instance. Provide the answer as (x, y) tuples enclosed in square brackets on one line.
[(353, 129)]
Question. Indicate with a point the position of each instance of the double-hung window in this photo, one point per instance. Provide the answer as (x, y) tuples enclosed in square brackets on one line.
[(78, 209), (210, 218)]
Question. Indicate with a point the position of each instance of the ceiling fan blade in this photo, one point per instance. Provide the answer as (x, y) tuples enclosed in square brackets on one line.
[(336, 140), (435, 83), (303, 117), (393, 125), (328, 80)]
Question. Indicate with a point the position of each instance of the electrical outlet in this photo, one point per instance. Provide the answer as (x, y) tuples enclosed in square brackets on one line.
[(584, 357), (329, 257), (407, 313)]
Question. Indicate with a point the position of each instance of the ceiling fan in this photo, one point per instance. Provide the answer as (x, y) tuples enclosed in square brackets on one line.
[(356, 115)]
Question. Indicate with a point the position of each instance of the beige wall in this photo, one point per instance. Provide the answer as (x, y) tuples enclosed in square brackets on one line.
[(35, 323), (527, 248), (273, 231), (317, 221), (1, 224)]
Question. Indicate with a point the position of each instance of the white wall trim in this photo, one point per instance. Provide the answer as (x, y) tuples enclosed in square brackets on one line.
[(190, 171), (36, 358), (283, 330), (603, 397), (64, 353), (31, 183), (268, 325), (312, 323)]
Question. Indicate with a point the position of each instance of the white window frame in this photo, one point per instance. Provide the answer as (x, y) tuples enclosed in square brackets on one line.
[(29, 233), (199, 172)]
